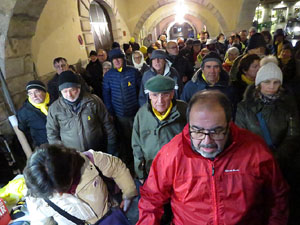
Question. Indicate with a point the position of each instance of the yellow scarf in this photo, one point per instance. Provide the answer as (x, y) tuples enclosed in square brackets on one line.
[(209, 84), (164, 116), (279, 48), (247, 80), (120, 69), (42, 106), (228, 62)]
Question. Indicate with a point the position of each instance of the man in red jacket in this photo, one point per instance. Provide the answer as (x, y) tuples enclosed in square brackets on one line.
[(214, 173)]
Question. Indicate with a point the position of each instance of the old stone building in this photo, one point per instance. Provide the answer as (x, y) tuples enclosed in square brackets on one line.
[(34, 32)]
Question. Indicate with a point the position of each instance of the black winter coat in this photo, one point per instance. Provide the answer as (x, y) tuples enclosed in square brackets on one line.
[(33, 123)]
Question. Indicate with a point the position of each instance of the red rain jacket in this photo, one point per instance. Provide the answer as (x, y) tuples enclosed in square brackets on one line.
[(242, 185)]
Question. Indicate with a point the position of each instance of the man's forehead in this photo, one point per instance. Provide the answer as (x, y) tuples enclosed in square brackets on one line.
[(60, 62), (211, 63)]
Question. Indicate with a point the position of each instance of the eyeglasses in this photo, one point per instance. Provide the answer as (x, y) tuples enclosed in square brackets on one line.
[(215, 134)]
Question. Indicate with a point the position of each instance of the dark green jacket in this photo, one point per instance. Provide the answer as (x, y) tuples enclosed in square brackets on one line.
[(282, 120), (84, 130), (150, 135)]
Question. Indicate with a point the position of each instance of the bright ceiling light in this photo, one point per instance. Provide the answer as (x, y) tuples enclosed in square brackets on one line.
[(180, 11)]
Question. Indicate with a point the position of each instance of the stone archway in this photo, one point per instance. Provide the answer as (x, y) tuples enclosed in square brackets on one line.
[(246, 14), (205, 3)]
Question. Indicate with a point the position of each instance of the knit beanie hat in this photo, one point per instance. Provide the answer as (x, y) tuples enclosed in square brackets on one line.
[(158, 54), (116, 53), (211, 56), (268, 70), (36, 84), (115, 45), (93, 53), (125, 47), (68, 79), (256, 40), (160, 84)]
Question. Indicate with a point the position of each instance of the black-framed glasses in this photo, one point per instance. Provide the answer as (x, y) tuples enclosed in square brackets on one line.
[(215, 134)]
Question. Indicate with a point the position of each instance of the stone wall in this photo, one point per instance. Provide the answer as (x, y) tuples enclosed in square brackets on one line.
[(18, 24)]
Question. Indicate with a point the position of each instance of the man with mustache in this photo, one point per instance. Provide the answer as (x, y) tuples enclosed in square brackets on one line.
[(213, 172)]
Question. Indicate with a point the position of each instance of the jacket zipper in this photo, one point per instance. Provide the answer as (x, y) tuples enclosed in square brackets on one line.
[(214, 195)]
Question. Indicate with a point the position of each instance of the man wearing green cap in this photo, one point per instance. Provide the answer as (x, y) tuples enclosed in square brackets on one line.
[(156, 123)]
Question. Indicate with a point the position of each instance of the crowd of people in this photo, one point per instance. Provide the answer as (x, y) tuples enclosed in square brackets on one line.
[(200, 131)]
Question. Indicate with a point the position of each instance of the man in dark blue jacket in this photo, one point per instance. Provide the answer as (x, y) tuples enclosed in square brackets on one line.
[(32, 116), (209, 76), (120, 95)]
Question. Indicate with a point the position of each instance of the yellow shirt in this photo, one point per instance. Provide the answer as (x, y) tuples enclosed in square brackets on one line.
[(164, 116)]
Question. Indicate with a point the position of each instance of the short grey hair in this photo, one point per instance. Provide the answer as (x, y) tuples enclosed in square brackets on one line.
[(233, 50)]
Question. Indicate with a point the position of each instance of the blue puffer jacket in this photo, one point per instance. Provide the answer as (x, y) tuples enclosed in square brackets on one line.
[(33, 123), (198, 84), (120, 91)]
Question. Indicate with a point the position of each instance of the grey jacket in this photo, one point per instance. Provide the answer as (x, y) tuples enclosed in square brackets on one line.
[(84, 130)]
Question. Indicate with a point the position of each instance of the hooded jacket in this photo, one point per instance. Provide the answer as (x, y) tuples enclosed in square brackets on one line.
[(242, 185), (282, 120), (170, 72), (197, 83), (150, 135), (86, 129)]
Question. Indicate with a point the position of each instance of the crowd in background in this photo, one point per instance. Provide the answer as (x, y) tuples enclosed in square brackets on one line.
[(103, 107)]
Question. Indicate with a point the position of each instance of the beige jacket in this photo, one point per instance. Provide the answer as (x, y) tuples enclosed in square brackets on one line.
[(91, 191)]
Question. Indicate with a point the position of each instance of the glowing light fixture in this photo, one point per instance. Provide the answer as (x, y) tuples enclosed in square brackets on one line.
[(180, 10)]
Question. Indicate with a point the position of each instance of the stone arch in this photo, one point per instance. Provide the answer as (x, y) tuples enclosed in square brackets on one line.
[(157, 21), (247, 13), (160, 3)]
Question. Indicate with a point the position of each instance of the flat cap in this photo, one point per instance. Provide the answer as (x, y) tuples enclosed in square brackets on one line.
[(158, 54), (160, 83)]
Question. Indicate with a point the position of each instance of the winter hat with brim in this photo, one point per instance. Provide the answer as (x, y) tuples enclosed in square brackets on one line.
[(68, 79), (160, 84), (268, 70), (36, 84), (158, 54), (116, 53), (256, 40), (211, 56)]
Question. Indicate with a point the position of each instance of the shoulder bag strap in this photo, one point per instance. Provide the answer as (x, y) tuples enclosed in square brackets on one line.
[(265, 130), (65, 214)]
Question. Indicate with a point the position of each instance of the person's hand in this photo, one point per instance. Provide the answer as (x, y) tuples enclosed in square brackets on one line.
[(125, 204)]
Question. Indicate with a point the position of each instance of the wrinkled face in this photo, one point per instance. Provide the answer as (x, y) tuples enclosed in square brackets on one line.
[(93, 58), (173, 49), (260, 51), (61, 66), (161, 101), (270, 87), (211, 71), (286, 53), (252, 71), (232, 56), (102, 56), (158, 64), (137, 58), (118, 63), (213, 123), (37, 96), (71, 94)]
